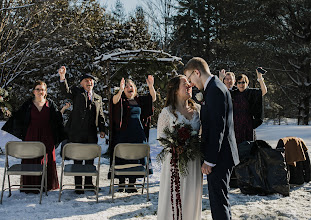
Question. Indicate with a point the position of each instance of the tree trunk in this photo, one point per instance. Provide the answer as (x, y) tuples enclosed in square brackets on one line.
[(306, 110)]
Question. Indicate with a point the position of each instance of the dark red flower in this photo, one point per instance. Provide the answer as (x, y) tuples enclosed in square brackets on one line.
[(184, 133)]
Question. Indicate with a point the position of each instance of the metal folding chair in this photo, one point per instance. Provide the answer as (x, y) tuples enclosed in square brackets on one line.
[(77, 151), (25, 150), (130, 152)]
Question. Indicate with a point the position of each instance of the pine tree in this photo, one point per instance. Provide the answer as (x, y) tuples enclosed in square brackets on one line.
[(276, 35)]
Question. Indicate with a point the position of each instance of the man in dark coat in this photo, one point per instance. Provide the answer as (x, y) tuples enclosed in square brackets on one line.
[(86, 119), (218, 142)]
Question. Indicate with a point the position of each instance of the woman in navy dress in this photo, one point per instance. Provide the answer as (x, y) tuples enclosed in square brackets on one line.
[(130, 119), (38, 120)]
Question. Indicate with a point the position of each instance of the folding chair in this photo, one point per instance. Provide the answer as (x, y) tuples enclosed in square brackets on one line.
[(130, 152), (77, 151), (25, 150)]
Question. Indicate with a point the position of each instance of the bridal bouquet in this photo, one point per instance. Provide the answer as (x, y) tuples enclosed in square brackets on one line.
[(184, 145)]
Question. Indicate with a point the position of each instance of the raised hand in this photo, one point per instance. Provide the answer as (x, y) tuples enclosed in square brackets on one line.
[(222, 74), (150, 80), (259, 75), (66, 106), (122, 84), (62, 72)]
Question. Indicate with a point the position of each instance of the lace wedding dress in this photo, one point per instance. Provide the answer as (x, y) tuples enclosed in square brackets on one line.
[(190, 185)]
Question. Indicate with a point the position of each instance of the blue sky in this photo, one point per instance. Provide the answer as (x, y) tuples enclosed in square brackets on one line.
[(129, 5)]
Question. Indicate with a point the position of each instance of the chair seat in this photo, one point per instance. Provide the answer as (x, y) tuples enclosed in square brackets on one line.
[(26, 169), (80, 169), (130, 169)]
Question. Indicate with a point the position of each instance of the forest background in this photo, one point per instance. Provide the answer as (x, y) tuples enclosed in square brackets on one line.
[(39, 36)]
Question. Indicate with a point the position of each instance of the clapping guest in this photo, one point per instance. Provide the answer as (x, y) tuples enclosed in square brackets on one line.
[(130, 120), (38, 120)]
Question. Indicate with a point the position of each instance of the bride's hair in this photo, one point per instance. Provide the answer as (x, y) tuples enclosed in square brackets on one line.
[(171, 96)]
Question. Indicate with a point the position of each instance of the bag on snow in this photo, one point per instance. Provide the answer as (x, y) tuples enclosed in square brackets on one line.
[(262, 170)]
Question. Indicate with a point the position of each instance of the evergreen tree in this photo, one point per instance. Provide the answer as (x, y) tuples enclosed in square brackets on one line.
[(118, 12), (275, 34)]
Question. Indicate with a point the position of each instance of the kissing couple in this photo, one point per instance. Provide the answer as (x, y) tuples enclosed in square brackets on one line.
[(184, 159)]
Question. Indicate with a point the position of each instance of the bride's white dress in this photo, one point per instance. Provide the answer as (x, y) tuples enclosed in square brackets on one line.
[(190, 185)]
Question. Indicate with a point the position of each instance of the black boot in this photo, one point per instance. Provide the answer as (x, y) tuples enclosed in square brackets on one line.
[(121, 185), (132, 188)]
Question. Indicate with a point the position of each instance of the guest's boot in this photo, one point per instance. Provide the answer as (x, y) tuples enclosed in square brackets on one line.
[(132, 188), (78, 183), (121, 184), (88, 183)]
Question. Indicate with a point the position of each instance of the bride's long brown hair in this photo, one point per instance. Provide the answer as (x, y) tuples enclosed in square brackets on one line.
[(171, 96)]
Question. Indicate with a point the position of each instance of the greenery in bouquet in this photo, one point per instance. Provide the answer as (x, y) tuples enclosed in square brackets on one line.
[(5, 107), (183, 141)]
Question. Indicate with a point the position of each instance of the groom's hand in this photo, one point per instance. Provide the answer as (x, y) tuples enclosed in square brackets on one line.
[(206, 169)]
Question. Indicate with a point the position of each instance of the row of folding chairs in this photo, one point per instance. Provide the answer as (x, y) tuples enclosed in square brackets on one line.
[(74, 151)]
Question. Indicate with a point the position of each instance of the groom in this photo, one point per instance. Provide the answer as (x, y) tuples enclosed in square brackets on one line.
[(218, 139)]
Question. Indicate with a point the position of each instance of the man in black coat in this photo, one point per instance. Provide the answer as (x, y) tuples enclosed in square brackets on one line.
[(218, 142), (86, 119)]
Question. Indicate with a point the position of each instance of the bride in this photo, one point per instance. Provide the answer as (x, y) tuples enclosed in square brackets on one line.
[(179, 108)]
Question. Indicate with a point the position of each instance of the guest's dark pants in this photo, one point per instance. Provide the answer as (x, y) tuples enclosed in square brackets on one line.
[(218, 186), (90, 138), (88, 179)]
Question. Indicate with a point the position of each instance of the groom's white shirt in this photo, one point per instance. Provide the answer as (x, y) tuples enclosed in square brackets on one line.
[(205, 85)]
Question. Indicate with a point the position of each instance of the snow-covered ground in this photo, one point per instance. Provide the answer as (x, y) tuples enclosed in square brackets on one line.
[(134, 206)]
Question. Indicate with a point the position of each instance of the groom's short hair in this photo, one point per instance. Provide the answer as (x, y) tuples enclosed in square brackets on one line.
[(199, 64)]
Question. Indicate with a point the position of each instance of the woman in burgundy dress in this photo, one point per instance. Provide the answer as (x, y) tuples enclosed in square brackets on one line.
[(38, 120), (247, 108)]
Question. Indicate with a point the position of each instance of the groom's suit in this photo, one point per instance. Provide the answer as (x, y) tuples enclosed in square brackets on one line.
[(218, 145)]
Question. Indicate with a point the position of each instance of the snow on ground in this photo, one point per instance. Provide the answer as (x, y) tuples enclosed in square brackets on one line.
[(134, 206)]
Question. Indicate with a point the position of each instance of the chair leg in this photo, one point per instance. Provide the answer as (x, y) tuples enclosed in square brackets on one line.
[(9, 183), (42, 184), (61, 186), (148, 187), (112, 186), (46, 182), (3, 185), (97, 187), (143, 186)]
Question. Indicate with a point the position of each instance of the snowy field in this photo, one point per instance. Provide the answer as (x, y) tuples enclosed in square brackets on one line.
[(134, 206)]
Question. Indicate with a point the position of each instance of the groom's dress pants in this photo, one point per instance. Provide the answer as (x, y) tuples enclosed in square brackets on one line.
[(218, 186)]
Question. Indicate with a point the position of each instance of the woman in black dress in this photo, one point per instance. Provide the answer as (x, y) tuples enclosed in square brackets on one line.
[(130, 119), (38, 120)]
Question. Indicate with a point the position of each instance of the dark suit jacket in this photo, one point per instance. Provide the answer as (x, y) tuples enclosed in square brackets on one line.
[(18, 123), (217, 123), (80, 107)]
